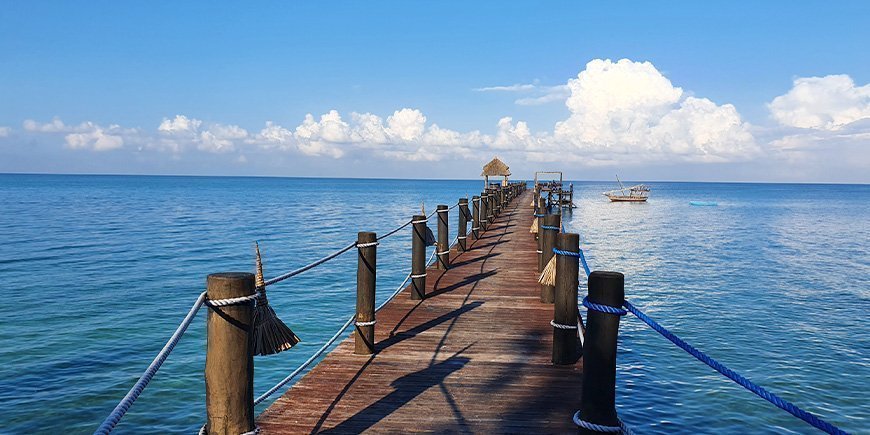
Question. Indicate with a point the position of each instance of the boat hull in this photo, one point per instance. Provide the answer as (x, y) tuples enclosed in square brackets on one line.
[(627, 199)]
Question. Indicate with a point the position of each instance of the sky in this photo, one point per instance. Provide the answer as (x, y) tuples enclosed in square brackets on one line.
[(654, 91)]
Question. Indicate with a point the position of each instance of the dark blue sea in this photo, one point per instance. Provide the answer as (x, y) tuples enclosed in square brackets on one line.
[(97, 271)]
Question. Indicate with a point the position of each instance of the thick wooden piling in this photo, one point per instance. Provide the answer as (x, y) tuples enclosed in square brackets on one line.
[(443, 245), (483, 211), (462, 231), (229, 361), (366, 282), (565, 346), (598, 397), (547, 233), (418, 257), (475, 217)]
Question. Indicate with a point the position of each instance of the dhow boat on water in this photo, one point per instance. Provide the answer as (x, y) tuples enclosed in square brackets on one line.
[(637, 193)]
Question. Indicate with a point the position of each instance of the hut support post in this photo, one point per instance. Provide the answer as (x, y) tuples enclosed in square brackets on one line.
[(565, 343), (229, 361), (443, 245), (598, 397), (366, 279), (418, 257)]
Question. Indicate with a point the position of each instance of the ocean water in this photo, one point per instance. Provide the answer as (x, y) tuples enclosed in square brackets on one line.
[(97, 271)]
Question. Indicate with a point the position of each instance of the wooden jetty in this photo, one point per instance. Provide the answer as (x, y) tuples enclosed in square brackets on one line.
[(474, 344), (473, 356)]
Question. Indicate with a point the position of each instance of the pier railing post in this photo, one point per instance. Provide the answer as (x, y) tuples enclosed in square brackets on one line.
[(418, 257), (598, 397), (565, 346), (229, 360), (484, 210), (443, 245), (366, 282), (547, 235), (462, 232), (475, 217)]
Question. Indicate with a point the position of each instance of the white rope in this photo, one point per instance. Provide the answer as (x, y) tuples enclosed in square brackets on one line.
[(420, 221), (369, 323), (311, 265), (594, 427), (540, 251), (367, 245), (422, 275), (461, 237), (250, 432), (232, 301), (325, 346), (443, 252), (115, 416), (561, 326)]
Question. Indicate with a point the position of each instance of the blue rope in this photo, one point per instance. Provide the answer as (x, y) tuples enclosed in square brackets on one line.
[(575, 254), (549, 227), (538, 215), (730, 374), (603, 308)]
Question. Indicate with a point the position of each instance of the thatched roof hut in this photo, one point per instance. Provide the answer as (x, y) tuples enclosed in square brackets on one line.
[(496, 168)]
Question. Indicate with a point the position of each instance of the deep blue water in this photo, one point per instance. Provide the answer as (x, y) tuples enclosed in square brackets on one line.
[(98, 270)]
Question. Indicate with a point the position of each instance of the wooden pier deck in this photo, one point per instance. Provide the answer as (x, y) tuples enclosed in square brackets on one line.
[(474, 356)]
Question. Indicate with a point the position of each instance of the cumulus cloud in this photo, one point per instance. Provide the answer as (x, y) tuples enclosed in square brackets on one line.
[(181, 132), (630, 108), (55, 126), (93, 137), (5, 131), (822, 103)]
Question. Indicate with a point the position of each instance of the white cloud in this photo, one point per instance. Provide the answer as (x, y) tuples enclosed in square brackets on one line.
[(630, 108), (509, 88), (822, 103), (55, 126), (539, 94), (406, 125), (180, 125), (5, 131), (274, 136), (93, 137), (221, 138)]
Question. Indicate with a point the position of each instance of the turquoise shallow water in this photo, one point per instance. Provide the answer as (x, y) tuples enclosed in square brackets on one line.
[(97, 271)]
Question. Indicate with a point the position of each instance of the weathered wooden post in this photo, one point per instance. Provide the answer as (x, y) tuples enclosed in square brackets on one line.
[(443, 245), (598, 397), (475, 217), (229, 360), (565, 346), (490, 205), (462, 232), (483, 211), (418, 257), (547, 231), (366, 281)]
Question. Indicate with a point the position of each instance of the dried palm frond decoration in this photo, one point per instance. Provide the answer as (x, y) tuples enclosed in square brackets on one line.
[(548, 275), (270, 334), (534, 228)]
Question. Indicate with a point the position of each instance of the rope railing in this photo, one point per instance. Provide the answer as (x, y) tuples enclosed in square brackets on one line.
[(329, 343), (133, 394), (737, 378)]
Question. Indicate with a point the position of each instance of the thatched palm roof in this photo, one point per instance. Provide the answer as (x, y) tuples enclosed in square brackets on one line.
[(495, 168)]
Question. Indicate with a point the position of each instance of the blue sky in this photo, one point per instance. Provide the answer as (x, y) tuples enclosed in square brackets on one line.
[(117, 76)]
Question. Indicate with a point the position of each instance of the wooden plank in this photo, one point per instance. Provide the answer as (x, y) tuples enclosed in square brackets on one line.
[(474, 356)]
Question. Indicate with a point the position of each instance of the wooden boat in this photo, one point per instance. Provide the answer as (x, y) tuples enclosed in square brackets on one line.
[(637, 193)]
